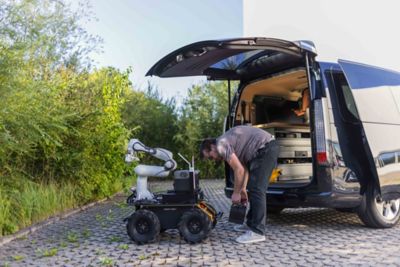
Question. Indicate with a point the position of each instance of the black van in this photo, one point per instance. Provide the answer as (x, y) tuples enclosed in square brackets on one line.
[(343, 153)]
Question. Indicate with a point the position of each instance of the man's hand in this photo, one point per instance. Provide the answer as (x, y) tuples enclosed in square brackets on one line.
[(243, 197), (236, 198), (299, 112)]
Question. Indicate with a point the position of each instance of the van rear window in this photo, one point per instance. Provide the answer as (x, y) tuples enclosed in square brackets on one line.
[(232, 62)]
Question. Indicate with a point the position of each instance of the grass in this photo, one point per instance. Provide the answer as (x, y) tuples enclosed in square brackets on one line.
[(121, 205), (99, 218), (115, 239), (47, 252), (23, 203), (86, 233), (18, 257), (72, 237), (50, 252), (142, 257), (106, 261), (7, 225), (33, 202), (123, 246)]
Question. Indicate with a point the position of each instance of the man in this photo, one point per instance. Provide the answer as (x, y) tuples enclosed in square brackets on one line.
[(252, 154)]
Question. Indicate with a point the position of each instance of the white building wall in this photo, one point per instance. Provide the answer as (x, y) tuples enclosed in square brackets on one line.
[(366, 31)]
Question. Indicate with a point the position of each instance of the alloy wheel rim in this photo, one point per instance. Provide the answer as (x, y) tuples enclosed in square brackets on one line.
[(388, 209)]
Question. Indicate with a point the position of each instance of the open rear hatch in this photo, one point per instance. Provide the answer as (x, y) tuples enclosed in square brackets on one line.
[(232, 59)]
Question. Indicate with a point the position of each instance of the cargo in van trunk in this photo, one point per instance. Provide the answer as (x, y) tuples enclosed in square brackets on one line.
[(268, 104)]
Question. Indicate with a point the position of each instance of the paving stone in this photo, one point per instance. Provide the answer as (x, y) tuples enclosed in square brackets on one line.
[(296, 237)]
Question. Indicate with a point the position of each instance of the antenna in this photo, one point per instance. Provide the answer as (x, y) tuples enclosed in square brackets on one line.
[(193, 174), (191, 169), (180, 155)]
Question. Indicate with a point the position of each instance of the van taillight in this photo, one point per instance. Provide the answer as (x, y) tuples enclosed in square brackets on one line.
[(322, 157)]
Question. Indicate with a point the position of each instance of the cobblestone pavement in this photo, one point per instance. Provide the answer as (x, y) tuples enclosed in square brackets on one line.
[(297, 237)]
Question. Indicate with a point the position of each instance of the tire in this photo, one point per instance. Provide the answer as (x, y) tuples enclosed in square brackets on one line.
[(194, 226), (143, 226), (376, 213), (274, 209)]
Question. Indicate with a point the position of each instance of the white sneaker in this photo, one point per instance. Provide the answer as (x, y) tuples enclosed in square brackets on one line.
[(241, 228), (250, 237)]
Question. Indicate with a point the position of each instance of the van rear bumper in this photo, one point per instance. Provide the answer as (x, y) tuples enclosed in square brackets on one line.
[(288, 199)]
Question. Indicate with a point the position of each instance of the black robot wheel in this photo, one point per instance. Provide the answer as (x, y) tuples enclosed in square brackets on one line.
[(194, 226), (143, 226)]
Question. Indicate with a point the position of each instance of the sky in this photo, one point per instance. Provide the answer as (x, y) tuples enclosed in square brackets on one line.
[(358, 30), (137, 33)]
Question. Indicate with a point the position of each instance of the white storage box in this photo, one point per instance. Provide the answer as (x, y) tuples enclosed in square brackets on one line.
[(296, 171)]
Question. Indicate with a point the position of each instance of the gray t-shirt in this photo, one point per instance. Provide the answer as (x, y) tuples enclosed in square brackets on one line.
[(244, 141)]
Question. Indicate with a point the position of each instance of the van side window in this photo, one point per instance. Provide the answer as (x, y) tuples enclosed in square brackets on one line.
[(351, 105), (343, 90), (388, 158)]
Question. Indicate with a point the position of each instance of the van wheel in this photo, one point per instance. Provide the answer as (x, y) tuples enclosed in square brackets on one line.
[(143, 226), (274, 209), (376, 213)]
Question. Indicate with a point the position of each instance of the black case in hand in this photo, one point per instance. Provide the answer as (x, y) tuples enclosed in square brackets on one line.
[(237, 213)]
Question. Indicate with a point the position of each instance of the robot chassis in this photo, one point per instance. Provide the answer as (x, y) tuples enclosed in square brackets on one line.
[(183, 208)]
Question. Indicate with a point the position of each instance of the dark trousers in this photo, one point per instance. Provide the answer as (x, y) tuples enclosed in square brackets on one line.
[(260, 169)]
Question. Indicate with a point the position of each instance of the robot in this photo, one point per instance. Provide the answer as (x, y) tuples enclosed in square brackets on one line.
[(183, 208)]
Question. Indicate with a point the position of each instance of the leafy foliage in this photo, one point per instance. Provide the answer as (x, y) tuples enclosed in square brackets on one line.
[(202, 116), (154, 119), (64, 125), (61, 129)]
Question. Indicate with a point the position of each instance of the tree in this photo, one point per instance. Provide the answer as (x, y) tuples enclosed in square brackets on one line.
[(154, 118), (202, 115), (45, 35)]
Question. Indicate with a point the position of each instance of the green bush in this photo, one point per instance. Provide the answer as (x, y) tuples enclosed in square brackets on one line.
[(61, 132), (63, 148), (64, 126)]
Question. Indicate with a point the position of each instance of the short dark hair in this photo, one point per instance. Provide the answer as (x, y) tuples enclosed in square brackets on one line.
[(206, 145)]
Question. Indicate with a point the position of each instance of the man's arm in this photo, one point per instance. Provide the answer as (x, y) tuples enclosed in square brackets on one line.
[(240, 177), (243, 193)]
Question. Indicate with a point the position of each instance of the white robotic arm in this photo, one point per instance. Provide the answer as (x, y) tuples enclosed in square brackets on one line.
[(143, 171), (136, 146)]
